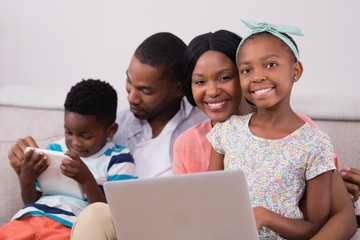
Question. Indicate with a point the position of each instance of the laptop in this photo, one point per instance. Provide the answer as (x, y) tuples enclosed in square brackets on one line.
[(199, 206)]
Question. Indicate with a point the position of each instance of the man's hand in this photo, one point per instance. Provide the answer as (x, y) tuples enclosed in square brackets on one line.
[(16, 153), (351, 177)]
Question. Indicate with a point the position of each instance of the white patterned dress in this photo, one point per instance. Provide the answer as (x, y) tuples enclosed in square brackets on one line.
[(276, 170)]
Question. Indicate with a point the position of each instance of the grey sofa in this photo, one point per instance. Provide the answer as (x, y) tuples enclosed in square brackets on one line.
[(340, 120)]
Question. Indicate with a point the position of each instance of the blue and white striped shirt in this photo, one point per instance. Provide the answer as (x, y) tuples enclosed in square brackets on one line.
[(113, 162)]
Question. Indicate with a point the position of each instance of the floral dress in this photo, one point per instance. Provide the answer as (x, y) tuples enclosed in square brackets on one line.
[(276, 170)]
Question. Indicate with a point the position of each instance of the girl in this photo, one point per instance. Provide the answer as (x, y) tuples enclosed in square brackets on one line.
[(277, 150)]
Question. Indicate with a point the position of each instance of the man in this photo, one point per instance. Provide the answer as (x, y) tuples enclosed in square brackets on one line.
[(158, 113)]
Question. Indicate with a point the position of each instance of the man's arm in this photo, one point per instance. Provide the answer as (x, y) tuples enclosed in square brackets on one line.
[(342, 223)]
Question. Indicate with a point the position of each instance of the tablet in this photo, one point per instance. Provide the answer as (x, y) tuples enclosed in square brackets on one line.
[(52, 181)]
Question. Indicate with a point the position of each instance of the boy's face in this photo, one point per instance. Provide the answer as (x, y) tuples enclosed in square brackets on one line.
[(150, 93), (84, 134)]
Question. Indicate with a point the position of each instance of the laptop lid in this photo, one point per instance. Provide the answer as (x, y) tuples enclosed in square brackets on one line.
[(200, 206)]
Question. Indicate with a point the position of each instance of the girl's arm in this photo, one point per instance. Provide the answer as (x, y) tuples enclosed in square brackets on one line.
[(216, 161), (342, 223), (318, 201)]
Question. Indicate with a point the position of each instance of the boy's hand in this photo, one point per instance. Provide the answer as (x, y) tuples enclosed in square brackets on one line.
[(16, 153), (32, 165), (351, 177), (76, 169)]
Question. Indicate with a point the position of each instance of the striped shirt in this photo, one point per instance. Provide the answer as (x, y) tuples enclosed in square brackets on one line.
[(111, 163)]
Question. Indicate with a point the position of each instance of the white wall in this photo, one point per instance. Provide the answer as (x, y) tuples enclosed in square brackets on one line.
[(58, 42)]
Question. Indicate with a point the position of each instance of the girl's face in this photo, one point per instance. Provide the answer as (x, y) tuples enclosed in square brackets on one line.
[(215, 85), (84, 134), (267, 70)]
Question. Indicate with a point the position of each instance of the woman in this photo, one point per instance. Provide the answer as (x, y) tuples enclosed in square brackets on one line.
[(211, 82)]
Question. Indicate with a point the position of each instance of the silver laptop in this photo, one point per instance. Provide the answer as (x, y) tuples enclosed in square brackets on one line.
[(200, 206)]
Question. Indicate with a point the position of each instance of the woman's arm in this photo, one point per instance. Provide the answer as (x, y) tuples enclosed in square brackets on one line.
[(178, 150), (342, 223)]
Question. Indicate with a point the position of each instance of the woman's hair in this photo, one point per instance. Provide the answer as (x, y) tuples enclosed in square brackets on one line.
[(222, 41), (93, 97)]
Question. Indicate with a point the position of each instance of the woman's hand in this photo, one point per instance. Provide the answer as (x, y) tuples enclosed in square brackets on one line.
[(351, 177)]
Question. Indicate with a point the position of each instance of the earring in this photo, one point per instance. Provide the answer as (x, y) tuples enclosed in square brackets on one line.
[(295, 79)]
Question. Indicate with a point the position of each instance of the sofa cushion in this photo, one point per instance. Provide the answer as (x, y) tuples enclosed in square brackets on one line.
[(17, 122)]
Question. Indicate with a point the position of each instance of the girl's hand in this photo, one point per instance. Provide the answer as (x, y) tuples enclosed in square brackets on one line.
[(76, 169), (351, 177), (32, 165), (262, 216)]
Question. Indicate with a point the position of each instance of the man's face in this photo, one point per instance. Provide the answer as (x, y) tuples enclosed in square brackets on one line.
[(150, 93)]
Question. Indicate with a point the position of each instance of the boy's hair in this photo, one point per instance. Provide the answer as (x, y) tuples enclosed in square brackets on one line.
[(93, 97), (163, 50), (222, 41)]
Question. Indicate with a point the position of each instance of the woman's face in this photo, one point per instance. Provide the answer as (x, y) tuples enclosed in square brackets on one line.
[(215, 85)]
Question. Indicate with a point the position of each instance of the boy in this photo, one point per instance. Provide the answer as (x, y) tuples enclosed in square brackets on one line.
[(89, 124)]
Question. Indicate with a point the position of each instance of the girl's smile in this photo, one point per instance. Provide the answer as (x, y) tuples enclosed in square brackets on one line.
[(262, 93)]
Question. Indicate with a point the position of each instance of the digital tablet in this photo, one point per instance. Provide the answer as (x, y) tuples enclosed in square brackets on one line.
[(52, 181)]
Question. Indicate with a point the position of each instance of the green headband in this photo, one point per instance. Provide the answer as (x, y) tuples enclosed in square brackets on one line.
[(274, 29)]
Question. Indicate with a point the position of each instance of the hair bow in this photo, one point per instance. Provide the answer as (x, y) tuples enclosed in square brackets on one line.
[(274, 29)]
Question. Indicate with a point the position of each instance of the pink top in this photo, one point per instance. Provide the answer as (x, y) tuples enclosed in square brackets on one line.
[(192, 149)]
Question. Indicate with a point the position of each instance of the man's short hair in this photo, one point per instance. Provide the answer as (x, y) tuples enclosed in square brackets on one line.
[(163, 50)]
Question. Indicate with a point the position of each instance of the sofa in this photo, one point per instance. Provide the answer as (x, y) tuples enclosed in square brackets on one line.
[(19, 122), (340, 119)]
